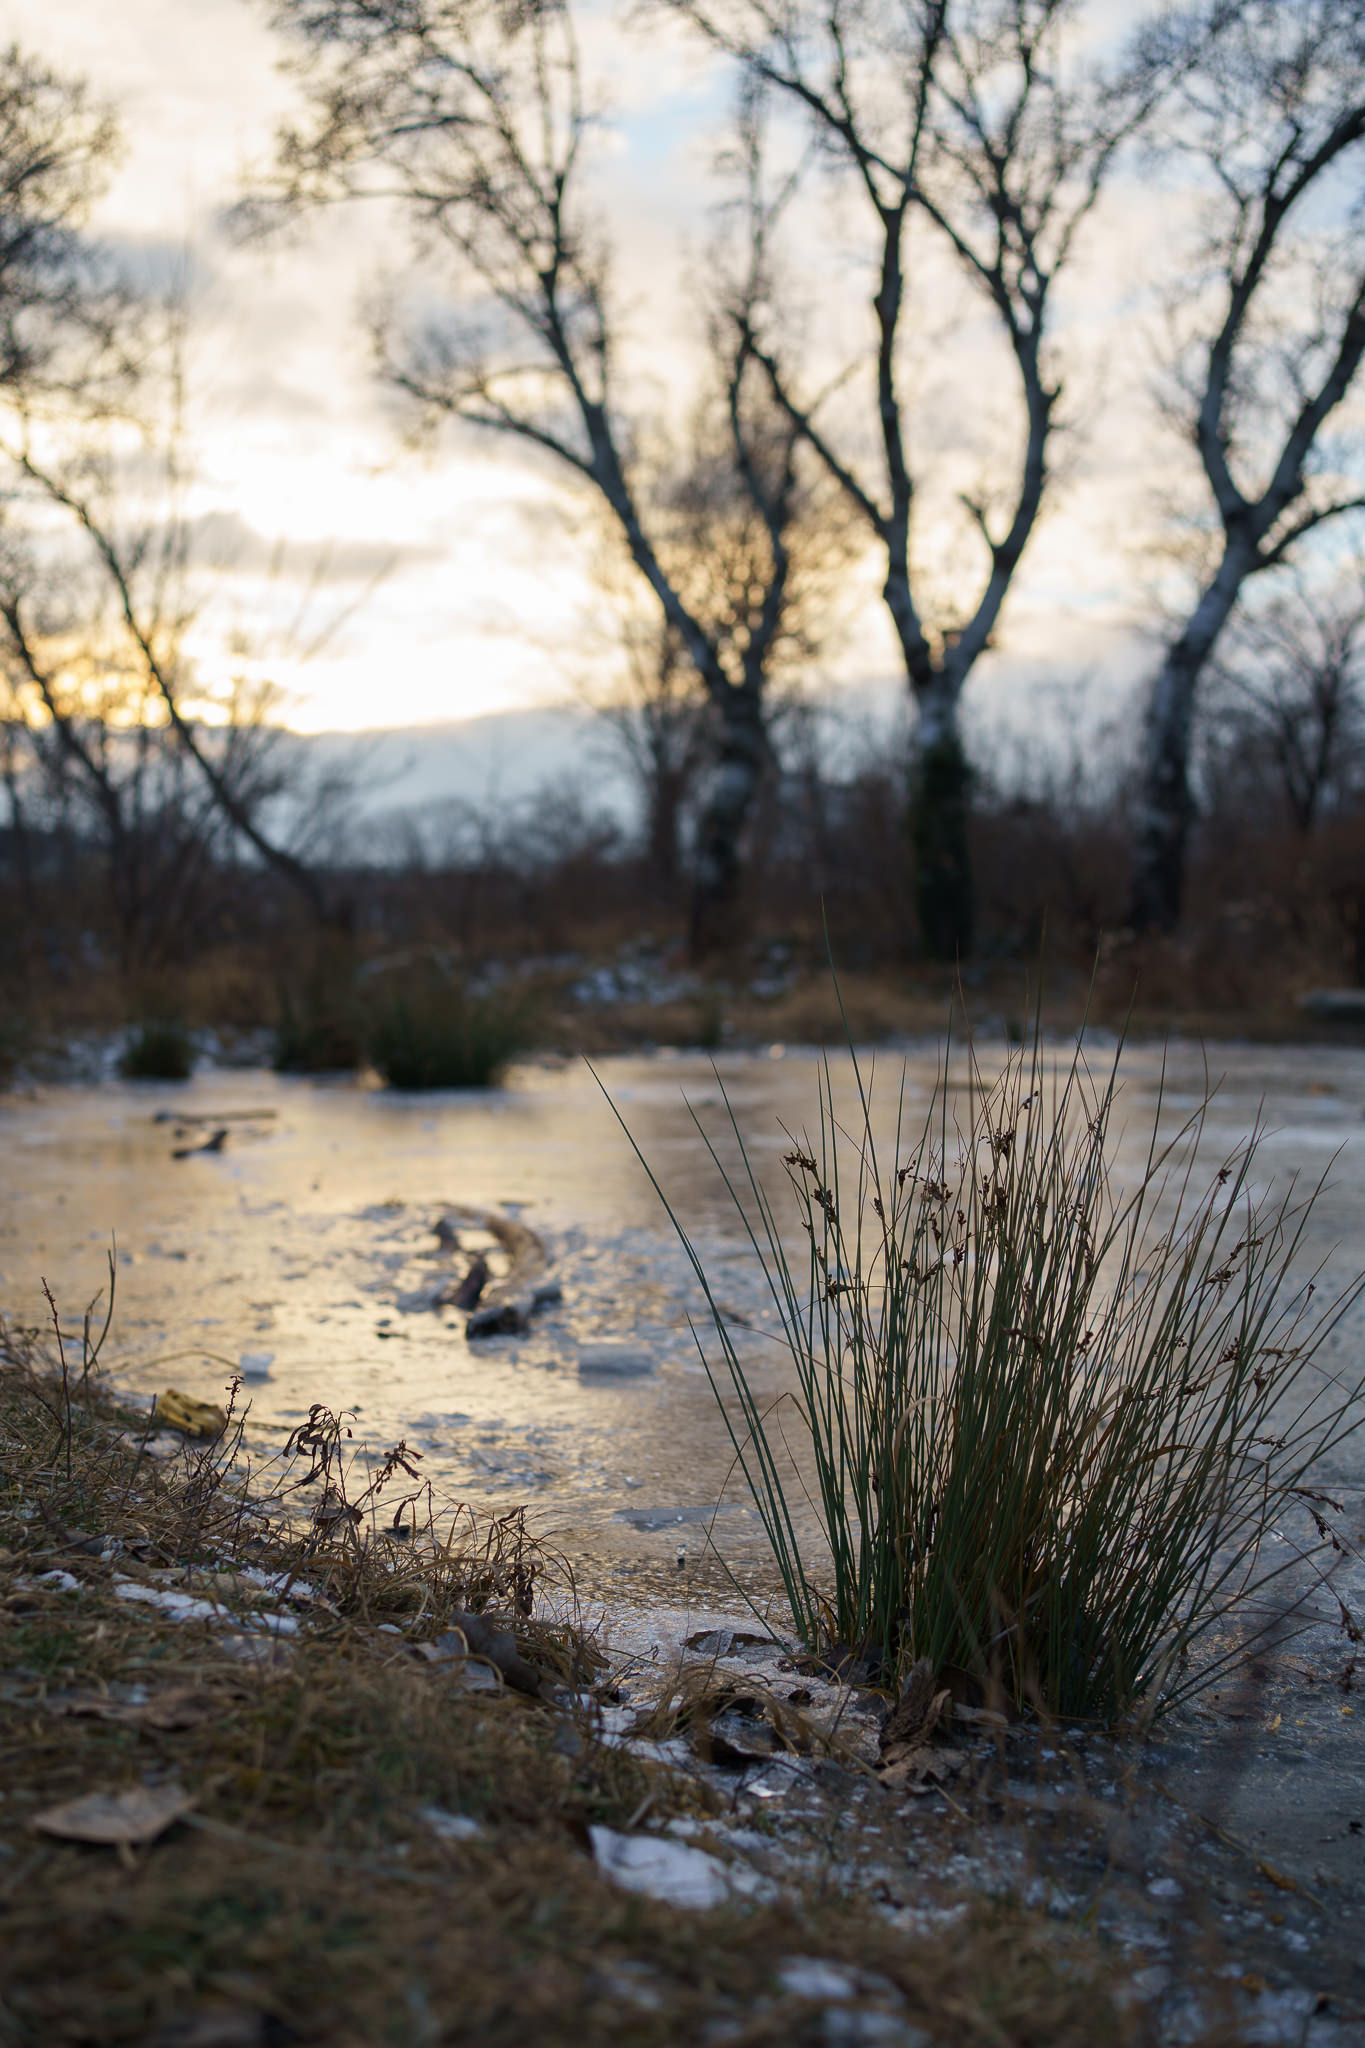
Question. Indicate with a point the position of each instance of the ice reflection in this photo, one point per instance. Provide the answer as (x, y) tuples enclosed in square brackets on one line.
[(309, 1236)]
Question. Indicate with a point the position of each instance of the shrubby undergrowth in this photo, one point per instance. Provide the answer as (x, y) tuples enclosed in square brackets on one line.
[(158, 1051)]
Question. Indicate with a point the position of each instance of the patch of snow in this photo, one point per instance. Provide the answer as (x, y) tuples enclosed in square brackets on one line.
[(670, 1871), (180, 1606), (450, 1827), (808, 1977)]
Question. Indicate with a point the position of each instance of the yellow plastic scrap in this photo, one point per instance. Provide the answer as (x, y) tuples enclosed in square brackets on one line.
[(190, 1417)]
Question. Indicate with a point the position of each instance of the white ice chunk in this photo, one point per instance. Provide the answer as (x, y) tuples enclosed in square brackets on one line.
[(661, 1869), (614, 1361)]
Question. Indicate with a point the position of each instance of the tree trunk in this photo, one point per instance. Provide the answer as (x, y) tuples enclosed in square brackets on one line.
[(940, 802), (726, 809), (663, 807), (1165, 807)]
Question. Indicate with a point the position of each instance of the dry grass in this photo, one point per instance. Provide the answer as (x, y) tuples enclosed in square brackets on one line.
[(304, 1898)]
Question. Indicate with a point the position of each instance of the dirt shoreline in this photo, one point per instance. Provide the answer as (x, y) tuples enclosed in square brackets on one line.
[(385, 1838), (346, 1779)]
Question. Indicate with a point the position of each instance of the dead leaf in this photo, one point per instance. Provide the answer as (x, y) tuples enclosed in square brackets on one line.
[(920, 1770), (117, 1819), (735, 1738), (192, 1418), (181, 1706), (980, 1717), (213, 1144), (920, 1709)]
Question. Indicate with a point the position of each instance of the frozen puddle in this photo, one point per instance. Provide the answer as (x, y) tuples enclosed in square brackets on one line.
[(303, 1253)]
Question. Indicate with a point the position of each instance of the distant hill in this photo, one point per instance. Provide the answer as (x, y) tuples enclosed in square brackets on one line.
[(497, 759), (505, 756)]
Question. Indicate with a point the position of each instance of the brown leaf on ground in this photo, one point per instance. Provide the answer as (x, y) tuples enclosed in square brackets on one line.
[(117, 1819), (919, 1711), (181, 1706), (182, 1412), (920, 1770)]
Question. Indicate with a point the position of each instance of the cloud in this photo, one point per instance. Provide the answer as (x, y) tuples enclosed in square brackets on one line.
[(299, 454), (223, 540)]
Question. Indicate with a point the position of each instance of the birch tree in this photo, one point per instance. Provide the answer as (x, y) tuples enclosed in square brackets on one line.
[(1271, 120)]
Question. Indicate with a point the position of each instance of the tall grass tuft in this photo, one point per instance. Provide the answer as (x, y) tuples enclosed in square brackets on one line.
[(430, 1032), (158, 1051), (1043, 1421)]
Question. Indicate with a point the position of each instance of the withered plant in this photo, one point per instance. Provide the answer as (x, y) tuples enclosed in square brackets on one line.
[(1045, 1423)]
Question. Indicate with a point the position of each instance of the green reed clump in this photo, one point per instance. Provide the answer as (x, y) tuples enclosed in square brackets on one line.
[(1044, 1422), (431, 1032), (158, 1051)]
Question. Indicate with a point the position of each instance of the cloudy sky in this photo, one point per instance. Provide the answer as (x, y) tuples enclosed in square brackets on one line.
[(475, 555)]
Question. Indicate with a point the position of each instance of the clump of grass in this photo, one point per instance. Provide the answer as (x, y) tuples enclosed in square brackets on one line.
[(431, 1032), (318, 1030), (1044, 1422), (158, 1051)]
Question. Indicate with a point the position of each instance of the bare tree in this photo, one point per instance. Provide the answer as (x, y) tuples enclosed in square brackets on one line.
[(714, 542), (57, 149), (476, 121), (978, 119), (95, 617), (637, 679), (102, 709), (1272, 119), (98, 766), (1288, 696)]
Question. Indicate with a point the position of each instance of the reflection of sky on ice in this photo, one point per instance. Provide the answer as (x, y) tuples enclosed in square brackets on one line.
[(310, 1237)]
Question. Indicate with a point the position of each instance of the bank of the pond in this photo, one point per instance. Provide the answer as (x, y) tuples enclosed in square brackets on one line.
[(361, 1824), (347, 1789)]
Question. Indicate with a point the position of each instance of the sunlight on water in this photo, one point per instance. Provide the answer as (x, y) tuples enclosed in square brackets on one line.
[(309, 1237)]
